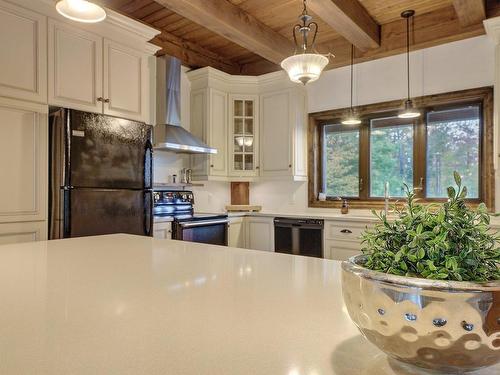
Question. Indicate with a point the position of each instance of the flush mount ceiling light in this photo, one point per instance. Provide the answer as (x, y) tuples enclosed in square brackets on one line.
[(409, 110), (351, 118), (81, 11), (306, 64)]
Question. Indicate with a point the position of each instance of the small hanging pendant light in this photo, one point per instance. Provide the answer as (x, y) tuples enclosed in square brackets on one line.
[(81, 11), (409, 110), (306, 64), (351, 118)]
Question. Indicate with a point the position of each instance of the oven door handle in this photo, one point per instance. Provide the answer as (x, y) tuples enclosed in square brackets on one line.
[(192, 224)]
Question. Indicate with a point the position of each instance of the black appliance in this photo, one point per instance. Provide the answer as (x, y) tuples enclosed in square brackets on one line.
[(186, 225), (100, 175), (298, 236)]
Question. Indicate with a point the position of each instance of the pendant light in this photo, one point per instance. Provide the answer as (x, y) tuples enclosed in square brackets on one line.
[(409, 110), (351, 118), (81, 11), (306, 64)]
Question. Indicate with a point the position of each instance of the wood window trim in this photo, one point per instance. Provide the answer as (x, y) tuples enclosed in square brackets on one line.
[(317, 120)]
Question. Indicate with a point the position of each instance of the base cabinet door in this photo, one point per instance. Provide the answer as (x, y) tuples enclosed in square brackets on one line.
[(22, 232), (340, 250), (75, 68), (236, 232), (259, 233), (23, 53), (125, 82), (162, 230)]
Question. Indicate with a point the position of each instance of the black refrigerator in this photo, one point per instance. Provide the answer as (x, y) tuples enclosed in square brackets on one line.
[(100, 170)]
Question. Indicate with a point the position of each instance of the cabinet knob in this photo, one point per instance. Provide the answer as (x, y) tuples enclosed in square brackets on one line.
[(289, 166), (211, 165), (106, 100), (257, 167), (100, 99)]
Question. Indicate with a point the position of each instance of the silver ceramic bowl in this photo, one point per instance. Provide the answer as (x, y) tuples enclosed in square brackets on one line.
[(439, 325)]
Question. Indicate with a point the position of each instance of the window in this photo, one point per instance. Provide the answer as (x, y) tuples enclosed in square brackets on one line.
[(391, 156), (366, 162), (453, 145), (341, 153)]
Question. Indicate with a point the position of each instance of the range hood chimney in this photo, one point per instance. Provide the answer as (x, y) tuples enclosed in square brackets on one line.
[(170, 135)]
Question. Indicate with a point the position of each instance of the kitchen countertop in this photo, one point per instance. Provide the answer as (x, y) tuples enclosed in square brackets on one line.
[(124, 304)]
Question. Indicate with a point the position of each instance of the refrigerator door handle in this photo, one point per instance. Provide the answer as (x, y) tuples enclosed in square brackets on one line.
[(148, 219), (148, 165)]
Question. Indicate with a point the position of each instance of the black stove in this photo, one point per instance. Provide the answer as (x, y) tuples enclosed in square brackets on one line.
[(187, 225)]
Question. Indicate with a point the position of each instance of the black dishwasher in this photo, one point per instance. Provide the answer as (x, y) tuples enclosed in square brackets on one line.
[(298, 236)]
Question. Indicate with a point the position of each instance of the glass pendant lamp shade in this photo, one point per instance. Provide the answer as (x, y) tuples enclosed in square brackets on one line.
[(81, 11), (351, 117), (304, 67), (409, 110)]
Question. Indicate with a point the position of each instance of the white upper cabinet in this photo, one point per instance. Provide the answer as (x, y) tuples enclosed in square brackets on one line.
[(75, 67), (258, 125), (209, 123), (283, 137), (23, 53), (125, 81), (244, 135)]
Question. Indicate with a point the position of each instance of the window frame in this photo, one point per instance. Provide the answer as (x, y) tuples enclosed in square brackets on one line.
[(317, 121)]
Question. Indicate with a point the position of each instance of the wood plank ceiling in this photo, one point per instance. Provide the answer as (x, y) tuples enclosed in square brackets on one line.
[(252, 36)]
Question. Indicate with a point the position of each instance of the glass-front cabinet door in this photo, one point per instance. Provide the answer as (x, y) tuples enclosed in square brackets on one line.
[(244, 136)]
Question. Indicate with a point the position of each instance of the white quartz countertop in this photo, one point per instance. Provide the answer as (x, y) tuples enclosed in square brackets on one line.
[(124, 304)]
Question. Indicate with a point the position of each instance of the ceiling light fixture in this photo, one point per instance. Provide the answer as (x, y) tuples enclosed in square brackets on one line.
[(306, 64), (81, 11), (409, 110), (351, 117)]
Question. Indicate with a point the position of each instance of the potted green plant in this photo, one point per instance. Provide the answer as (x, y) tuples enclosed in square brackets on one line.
[(426, 289)]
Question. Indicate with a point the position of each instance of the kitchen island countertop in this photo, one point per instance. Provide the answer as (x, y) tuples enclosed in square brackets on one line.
[(123, 304)]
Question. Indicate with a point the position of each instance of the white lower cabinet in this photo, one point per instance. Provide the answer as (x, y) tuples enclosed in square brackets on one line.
[(162, 230), (23, 162), (236, 232), (340, 250), (259, 233), (343, 239), (23, 232)]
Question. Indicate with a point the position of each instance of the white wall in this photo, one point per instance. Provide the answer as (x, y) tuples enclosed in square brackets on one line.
[(455, 66), (449, 67)]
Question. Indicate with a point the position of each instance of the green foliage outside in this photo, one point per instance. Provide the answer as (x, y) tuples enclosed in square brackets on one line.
[(452, 146), (391, 160), (448, 241), (342, 163)]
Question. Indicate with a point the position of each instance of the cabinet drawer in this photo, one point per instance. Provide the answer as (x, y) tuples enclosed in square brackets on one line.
[(344, 231)]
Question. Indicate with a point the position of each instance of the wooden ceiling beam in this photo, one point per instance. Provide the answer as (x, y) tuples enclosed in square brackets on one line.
[(233, 23), (470, 12), (430, 29), (192, 54), (351, 20)]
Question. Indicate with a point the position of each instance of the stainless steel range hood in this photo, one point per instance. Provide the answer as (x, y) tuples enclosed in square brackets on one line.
[(170, 135)]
